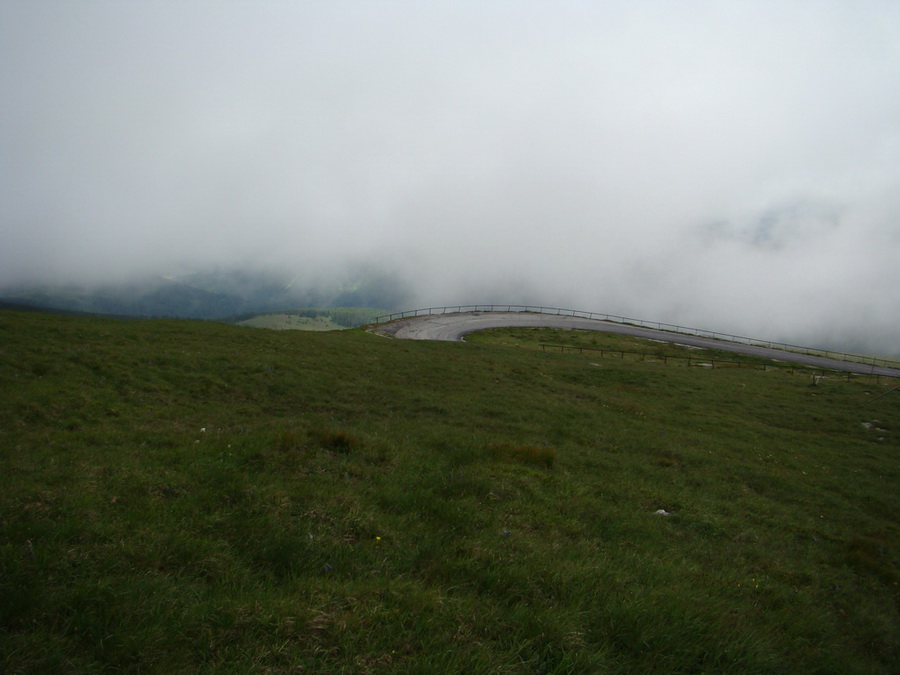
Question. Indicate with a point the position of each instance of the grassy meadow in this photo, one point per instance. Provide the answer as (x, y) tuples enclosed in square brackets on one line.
[(185, 496), (337, 318), (287, 321)]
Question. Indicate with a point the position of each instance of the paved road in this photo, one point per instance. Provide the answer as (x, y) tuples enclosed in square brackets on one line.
[(455, 326)]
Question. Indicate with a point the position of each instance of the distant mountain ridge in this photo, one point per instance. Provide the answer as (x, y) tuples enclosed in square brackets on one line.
[(218, 294)]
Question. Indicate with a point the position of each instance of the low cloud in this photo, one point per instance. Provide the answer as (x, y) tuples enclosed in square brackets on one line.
[(730, 166)]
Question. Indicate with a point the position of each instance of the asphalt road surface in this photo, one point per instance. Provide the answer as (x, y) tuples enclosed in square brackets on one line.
[(455, 326)]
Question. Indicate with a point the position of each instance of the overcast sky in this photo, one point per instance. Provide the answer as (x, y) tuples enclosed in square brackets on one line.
[(733, 165)]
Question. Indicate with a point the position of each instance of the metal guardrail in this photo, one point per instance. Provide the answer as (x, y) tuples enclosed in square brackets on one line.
[(656, 325)]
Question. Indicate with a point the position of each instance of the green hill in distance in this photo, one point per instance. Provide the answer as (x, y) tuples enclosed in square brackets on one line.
[(334, 318), (194, 496), (215, 294)]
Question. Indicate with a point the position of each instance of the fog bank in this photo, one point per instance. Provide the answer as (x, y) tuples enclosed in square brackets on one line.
[(734, 166)]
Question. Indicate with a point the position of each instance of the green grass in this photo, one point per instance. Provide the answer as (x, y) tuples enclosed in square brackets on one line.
[(197, 497), (336, 318), (591, 340), (288, 321)]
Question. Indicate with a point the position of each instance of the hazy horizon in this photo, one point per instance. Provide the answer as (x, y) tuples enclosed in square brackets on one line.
[(732, 166)]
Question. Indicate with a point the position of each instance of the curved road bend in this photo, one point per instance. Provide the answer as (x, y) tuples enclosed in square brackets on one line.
[(454, 327)]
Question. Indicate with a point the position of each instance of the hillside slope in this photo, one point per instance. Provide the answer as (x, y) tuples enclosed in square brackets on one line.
[(193, 496)]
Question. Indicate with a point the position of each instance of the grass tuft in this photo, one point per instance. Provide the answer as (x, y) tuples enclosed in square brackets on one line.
[(870, 555), (290, 441), (340, 442), (525, 454)]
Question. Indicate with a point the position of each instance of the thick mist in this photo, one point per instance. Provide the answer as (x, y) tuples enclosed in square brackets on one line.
[(732, 166)]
